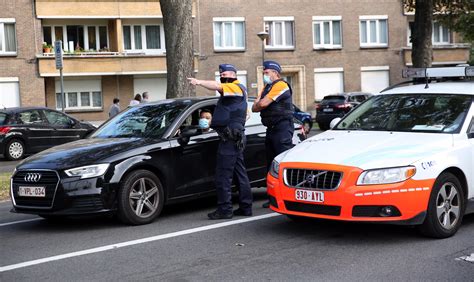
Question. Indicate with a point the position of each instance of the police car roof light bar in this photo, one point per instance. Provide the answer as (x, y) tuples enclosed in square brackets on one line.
[(438, 72)]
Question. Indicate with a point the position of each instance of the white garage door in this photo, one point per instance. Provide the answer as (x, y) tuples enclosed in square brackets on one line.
[(374, 79), (328, 81), (155, 86), (9, 94)]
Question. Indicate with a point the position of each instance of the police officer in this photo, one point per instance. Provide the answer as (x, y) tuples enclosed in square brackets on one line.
[(276, 109), (229, 122)]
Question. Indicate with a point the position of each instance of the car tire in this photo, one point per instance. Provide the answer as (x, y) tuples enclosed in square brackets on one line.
[(140, 198), (15, 149), (323, 126), (307, 125), (445, 208)]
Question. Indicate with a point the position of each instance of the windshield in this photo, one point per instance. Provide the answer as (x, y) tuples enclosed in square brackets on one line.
[(3, 117), (149, 121), (333, 99), (409, 113)]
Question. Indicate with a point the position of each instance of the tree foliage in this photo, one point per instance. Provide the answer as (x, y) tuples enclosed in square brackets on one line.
[(455, 14), (177, 22)]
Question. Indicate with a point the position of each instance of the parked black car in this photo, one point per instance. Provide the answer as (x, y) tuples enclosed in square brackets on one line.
[(333, 106), (145, 157), (29, 130)]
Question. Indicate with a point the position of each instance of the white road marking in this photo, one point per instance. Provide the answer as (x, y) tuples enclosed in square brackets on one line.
[(19, 221), (135, 242), (467, 258)]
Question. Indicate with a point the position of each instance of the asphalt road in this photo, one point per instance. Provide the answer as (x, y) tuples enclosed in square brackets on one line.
[(183, 245)]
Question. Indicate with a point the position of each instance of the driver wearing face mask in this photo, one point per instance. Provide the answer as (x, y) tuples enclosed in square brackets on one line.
[(205, 118)]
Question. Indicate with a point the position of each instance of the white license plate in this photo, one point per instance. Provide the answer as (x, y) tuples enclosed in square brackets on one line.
[(31, 191), (309, 196), (328, 110)]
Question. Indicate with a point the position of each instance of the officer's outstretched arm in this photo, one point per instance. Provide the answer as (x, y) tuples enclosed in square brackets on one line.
[(261, 104), (208, 84)]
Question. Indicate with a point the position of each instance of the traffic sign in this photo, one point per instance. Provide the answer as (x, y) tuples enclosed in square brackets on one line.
[(58, 53)]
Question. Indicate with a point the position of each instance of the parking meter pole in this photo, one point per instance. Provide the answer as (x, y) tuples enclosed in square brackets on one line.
[(58, 54), (62, 90)]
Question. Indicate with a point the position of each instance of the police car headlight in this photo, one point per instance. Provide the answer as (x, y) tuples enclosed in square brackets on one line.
[(87, 171), (386, 175), (274, 169)]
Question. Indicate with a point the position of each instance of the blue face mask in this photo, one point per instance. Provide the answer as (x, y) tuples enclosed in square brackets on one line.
[(266, 79), (203, 123)]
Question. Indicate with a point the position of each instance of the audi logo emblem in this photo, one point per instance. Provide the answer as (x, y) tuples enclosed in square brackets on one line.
[(32, 177)]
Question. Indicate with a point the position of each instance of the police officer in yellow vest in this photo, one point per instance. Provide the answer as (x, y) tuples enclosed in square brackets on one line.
[(276, 109), (229, 122)]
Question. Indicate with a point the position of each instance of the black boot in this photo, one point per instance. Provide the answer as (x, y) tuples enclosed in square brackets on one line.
[(218, 215)]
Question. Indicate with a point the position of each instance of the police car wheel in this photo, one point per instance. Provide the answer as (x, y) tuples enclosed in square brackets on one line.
[(445, 208), (140, 198)]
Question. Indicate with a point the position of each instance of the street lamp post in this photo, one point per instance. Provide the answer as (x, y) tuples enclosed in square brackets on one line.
[(263, 35)]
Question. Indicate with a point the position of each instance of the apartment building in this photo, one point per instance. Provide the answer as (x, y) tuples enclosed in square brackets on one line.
[(116, 48), (324, 47), (20, 36)]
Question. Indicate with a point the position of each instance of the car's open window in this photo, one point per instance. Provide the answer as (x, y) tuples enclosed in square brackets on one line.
[(191, 122), (409, 113)]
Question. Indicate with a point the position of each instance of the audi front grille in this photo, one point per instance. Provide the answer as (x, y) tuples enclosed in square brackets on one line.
[(313, 179), (35, 178)]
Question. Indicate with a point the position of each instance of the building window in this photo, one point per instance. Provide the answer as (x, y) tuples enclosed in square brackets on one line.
[(281, 33), (77, 37), (328, 81), (373, 31), (144, 38), (374, 79), (439, 36), (327, 32), (229, 34), (7, 37), (84, 94)]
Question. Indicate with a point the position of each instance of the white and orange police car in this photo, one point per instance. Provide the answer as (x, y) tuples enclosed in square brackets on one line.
[(405, 156)]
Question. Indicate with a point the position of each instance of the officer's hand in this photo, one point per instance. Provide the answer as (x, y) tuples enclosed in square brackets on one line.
[(193, 81)]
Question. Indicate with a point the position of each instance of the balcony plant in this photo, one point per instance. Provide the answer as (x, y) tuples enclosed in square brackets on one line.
[(47, 48)]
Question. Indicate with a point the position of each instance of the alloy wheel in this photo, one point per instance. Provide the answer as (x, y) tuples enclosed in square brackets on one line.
[(448, 206), (144, 197)]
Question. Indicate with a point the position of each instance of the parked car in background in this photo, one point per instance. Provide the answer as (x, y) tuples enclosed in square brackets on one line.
[(145, 157), (337, 105), (29, 130), (304, 117)]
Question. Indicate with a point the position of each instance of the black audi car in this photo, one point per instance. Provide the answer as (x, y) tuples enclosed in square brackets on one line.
[(28, 130), (145, 157)]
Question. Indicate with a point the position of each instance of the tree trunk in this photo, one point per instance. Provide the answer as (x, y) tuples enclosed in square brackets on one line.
[(178, 26), (422, 49)]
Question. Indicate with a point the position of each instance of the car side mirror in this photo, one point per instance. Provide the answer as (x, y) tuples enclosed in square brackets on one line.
[(470, 135), (334, 122), (186, 133)]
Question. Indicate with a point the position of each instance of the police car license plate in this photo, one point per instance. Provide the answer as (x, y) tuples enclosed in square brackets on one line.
[(328, 110), (31, 191), (309, 196)]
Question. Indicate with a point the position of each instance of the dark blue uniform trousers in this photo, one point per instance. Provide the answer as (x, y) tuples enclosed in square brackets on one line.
[(278, 139), (230, 163)]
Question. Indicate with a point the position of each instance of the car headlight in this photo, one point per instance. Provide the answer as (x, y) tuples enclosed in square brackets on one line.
[(87, 171), (274, 169), (386, 175)]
